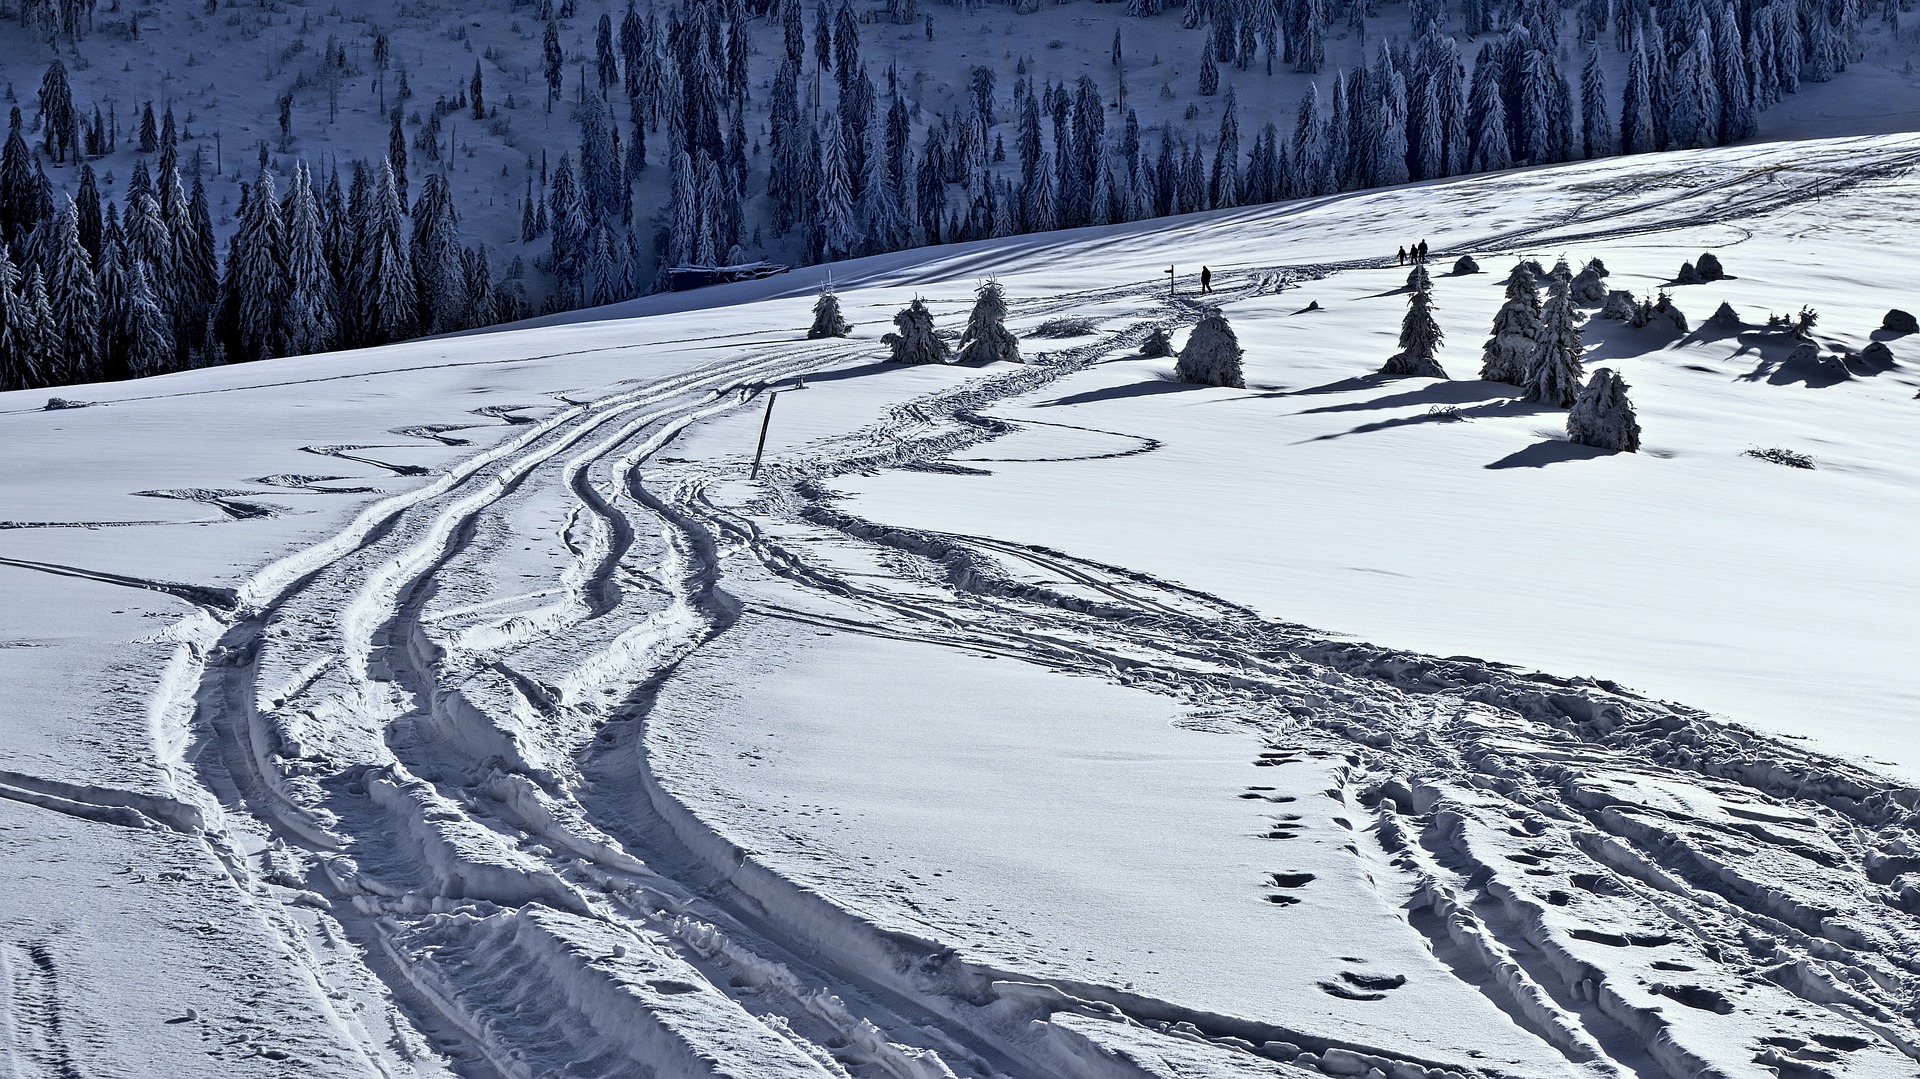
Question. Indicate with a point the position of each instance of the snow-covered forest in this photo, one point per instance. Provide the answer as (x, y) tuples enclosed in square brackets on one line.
[(191, 184)]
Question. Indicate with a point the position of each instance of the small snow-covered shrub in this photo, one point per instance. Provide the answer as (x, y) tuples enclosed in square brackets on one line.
[(1516, 330), (1602, 416), (54, 404), (1562, 270), (1803, 323), (827, 321), (1588, 287), (1465, 265), (1688, 275), (1420, 338), (1065, 327), (1725, 317), (1157, 344), (1877, 354), (916, 342), (1709, 268), (1212, 355), (987, 338), (1780, 456), (1660, 313), (1619, 305), (1900, 321), (1554, 372)]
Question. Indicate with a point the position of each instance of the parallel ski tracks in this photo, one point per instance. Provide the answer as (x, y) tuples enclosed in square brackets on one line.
[(330, 716)]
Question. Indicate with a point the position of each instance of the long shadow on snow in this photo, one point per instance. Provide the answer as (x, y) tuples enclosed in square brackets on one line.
[(1462, 392), (1115, 393), (1550, 451), (1507, 405)]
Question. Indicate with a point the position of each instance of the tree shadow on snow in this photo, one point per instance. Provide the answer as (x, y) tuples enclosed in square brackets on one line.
[(874, 368), (1148, 388), (1438, 392), (1884, 334), (1551, 451), (1505, 404)]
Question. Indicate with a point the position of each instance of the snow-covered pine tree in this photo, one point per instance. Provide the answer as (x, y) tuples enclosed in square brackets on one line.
[(1596, 120), (439, 282), (74, 299), (1554, 372), (1636, 107), (1417, 278), (987, 338), (827, 320), (1489, 148), (1212, 355), (1516, 330), (19, 369), (916, 342), (840, 227), (149, 333), (1420, 340), (1209, 71), (40, 333), (385, 281), (1158, 344), (257, 275), (1590, 284), (1603, 417), (313, 319)]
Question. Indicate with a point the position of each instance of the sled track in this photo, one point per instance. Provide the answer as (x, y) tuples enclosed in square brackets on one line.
[(449, 786)]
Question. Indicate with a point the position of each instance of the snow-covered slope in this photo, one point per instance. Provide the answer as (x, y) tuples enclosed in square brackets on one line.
[(465, 707)]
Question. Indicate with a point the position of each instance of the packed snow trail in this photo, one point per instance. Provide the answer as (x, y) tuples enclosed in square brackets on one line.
[(424, 733)]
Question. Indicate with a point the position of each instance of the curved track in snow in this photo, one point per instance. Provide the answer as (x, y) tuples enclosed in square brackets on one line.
[(426, 732)]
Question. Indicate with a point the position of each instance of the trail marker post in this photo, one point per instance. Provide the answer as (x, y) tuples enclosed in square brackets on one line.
[(766, 421), (1169, 282)]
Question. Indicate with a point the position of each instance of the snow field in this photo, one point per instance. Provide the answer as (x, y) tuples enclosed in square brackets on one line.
[(585, 749)]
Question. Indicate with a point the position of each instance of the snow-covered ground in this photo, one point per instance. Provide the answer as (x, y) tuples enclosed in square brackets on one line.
[(464, 707)]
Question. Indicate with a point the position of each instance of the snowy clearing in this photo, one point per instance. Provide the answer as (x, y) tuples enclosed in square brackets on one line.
[(463, 707)]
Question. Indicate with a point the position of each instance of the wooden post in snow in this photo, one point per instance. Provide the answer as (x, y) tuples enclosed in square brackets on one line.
[(765, 422)]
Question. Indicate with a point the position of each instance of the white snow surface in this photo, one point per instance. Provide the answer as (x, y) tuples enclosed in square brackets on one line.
[(465, 706)]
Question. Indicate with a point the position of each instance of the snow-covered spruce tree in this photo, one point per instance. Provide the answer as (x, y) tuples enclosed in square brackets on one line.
[(1709, 268), (1157, 344), (1212, 355), (1516, 330), (916, 342), (71, 290), (1602, 416), (1554, 372), (1590, 284), (1619, 305), (1420, 339), (19, 369), (1417, 280), (987, 338), (827, 321)]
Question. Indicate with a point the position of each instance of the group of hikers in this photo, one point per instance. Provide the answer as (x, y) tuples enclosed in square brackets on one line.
[(1416, 252)]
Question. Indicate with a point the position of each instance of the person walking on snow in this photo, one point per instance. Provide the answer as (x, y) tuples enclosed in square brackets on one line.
[(1206, 280), (1423, 250), (1403, 256)]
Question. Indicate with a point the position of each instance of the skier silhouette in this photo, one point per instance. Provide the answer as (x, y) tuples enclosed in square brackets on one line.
[(1206, 280)]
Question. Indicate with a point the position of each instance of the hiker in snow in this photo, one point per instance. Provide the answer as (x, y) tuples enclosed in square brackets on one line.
[(1206, 280), (1403, 256)]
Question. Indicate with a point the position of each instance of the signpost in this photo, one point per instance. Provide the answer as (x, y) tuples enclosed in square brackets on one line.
[(767, 421)]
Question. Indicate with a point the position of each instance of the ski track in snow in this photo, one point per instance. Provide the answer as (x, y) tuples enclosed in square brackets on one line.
[(451, 783)]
